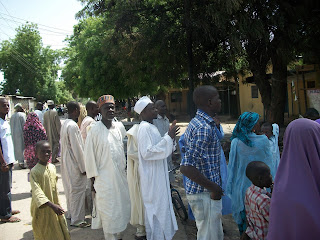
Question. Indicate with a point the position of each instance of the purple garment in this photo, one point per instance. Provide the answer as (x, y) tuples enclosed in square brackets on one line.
[(295, 202), (318, 120)]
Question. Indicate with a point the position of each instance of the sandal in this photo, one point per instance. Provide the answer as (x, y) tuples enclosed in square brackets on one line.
[(11, 219), (14, 212), (82, 224)]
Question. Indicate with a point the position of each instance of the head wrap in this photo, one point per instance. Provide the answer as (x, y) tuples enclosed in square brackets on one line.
[(105, 99), (141, 104), (297, 184), (245, 123)]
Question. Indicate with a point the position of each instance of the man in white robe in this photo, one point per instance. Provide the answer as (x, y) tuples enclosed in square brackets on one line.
[(17, 122), (105, 166), (39, 111), (73, 171), (137, 207), (163, 125), (92, 111), (153, 151)]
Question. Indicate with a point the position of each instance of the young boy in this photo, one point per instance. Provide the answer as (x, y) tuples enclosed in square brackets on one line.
[(48, 221), (272, 132), (257, 200)]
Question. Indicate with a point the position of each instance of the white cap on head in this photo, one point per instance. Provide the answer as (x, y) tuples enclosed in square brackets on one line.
[(141, 104), (50, 102)]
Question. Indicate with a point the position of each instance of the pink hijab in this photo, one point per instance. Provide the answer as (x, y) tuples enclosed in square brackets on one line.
[(295, 202)]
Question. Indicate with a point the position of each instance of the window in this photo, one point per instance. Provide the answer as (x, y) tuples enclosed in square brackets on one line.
[(311, 84), (254, 92), (176, 97)]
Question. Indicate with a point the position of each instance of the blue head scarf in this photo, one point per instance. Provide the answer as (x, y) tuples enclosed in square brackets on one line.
[(245, 123)]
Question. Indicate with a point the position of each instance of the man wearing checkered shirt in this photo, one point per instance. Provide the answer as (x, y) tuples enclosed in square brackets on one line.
[(201, 165)]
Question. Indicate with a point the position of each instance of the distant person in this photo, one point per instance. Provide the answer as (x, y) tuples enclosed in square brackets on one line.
[(73, 172), (39, 111), (163, 125), (83, 114), (295, 208), (33, 132), (153, 151), (92, 111), (246, 146), (312, 114), (226, 201), (201, 164), (133, 176), (6, 160), (52, 124), (272, 132), (48, 221), (106, 167), (257, 200), (17, 122)]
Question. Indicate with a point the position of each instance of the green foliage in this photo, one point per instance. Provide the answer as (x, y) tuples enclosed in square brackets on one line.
[(29, 68), (63, 95)]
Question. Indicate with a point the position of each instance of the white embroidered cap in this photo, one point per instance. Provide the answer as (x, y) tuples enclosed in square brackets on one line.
[(141, 104)]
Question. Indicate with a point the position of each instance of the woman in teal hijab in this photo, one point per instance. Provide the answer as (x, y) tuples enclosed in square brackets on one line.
[(246, 146)]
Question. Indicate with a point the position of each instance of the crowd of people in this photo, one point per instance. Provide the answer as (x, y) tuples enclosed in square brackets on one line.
[(269, 197)]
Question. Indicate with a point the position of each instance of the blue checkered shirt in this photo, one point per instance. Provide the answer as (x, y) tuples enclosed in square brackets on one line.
[(202, 151)]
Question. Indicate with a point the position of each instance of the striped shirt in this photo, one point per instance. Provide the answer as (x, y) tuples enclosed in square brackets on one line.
[(202, 151)]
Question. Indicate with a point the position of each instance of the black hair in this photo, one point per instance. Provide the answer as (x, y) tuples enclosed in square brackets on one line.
[(255, 169), (40, 144), (90, 105), (158, 102), (202, 94), (312, 113), (72, 106), (266, 125)]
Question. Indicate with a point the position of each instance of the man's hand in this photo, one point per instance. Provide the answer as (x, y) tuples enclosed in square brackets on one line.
[(216, 193), (174, 129), (4, 168), (217, 121), (56, 208)]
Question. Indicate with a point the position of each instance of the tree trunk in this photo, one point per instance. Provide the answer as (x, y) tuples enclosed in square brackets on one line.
[(279, 89), (191, 104)]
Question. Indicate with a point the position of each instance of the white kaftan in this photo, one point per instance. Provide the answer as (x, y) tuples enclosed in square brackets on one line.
[(72, 169), (137, 208), (155, 187), (86, 122), (105, 161), (163, 125)]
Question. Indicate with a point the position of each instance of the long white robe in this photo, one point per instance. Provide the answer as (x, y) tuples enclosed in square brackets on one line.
[(105, 161), (137, 208), (85, 125), (155, 187), (17, 122), (86, 122), (72, 167)]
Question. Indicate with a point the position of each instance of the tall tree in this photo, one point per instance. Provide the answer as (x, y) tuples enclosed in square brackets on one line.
[(29, 68)]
